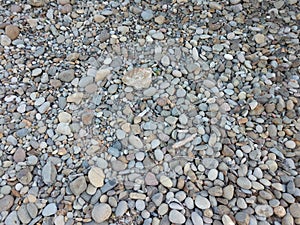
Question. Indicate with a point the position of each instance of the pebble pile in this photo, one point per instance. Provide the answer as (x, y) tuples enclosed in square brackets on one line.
[(149, 112)]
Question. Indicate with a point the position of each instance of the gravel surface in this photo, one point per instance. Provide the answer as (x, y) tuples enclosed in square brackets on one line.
[(149, 112)]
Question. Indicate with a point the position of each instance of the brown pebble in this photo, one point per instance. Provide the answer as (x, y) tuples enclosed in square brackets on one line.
[(66, 9), (15, 8), (12, 31)]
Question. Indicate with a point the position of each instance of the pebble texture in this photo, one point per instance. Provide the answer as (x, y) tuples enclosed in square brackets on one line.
[(149, 112)]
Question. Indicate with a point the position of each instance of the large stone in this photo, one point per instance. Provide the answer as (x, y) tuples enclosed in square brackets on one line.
[(12, 31), (49, 210), (36, 3), (49, 173), (202, 202), (101, 212), (264, 210), (67, 75), (139, 78), (176, 217), (6, 203), (96, 176), (78, 185)]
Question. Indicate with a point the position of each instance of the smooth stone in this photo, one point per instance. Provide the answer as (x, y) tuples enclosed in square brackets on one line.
[(96, 176), (12, 31), (166, 181), (135, 142), (295, 210), (244, 183), (228, 192), (6, 203), (75, 98), (202, 202), (264, 210), (19, 155), (176, 217), (121, 208), (147, 15), (290, 144), (78, 185), (260, 38), (49, 173), (24, 176), (63, 128), (196, 219), (102, 74), (32, 210), (150, 179), (23, 215), (64, 117), (101, 212), (67, 75), (49, 210), (227, 220), (12, 219)]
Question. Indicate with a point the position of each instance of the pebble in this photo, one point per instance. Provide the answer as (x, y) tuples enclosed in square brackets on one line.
[(49, 173), (147, 15), (135, 141), (259, 38), (150, 179), (63, 128), (49, 210), (244, 183), (202, 202), (12, 31), (96, 176), (78, 185), (66, 75), (121, 208), (101, 212), (139, 78), (264, 210), (6, 203), (290, 144), (176, 217), (166, 181)]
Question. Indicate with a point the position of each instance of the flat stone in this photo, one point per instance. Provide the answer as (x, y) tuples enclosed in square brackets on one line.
[(96, 176), (36, 72), (196, 218), (166, 181), (23, 215), (64, 117), (242, 218), (6, 203), (121, 208), (139, 78), (78, 185), (36, 3), (147, 15), (12, 31), (176, 217), (49, 173), (290, 144), (244, 182), (165, 60), (24, 176), (295, 209), (32, 210), (12, 219), (75, 98), (118, 165), (19, 155), (264, 210), (260, 38), (228, 192), (101, 212), (210, 163), (227, 220), (135, 142), (67, 75), (202, 202), (63, 128), (49, 210), (150, 179), (87, 117)]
